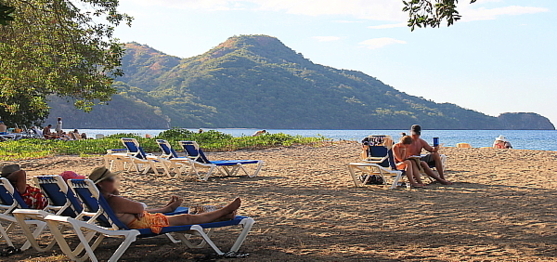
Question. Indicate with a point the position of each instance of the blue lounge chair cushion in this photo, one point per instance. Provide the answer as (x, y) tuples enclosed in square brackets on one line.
[(233, 162), (146, 232)]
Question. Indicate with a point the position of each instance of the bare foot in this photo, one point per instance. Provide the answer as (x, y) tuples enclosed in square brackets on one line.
[(233, 206), (417, 185), (175, 202), (446, 182)]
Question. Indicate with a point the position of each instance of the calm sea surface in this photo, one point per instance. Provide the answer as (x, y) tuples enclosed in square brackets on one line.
[(520, 139)]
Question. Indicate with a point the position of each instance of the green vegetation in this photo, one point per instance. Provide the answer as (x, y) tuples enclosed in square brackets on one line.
[(56, 47), (424, 13), (209, 141), (256, 81)]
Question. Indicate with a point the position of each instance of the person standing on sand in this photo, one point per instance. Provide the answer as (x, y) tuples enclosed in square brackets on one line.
[(135, 215), (58, 128), (433, 158)]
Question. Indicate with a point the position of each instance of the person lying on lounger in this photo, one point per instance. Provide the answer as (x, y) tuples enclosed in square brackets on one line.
[(32, 196), (135, 215)]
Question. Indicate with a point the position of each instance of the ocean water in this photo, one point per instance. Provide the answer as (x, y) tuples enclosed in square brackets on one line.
[(520, 139)]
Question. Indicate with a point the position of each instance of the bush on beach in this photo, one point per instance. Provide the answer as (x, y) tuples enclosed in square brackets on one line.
[(210, 141)]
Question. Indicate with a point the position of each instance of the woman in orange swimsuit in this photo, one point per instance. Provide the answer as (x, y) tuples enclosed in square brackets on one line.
[(402, 155), (135, 215)]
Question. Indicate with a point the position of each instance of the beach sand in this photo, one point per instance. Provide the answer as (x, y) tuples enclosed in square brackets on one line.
[(501, 208)]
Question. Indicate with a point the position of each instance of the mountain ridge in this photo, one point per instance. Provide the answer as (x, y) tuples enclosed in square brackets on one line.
[(257, 81)]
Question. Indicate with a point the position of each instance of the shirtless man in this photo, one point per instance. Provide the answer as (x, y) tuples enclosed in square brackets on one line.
[(135, 215), (433, 158)]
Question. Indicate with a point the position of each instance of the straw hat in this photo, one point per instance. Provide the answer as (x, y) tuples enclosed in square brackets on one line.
[(9, 169), (100, 174), (501, 138)]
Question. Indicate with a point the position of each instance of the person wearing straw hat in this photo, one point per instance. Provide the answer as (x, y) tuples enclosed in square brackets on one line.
[(502, 143), (136, 216), (32, 196)]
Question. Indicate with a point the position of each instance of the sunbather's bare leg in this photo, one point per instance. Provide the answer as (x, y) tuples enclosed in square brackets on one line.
[(439, 165), (416, 172), (226, 212), (430, 173), (410, 174)]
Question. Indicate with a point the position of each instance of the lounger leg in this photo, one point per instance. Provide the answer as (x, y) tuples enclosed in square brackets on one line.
[(4, 234), (247, 223), (353, 174), (258, 169)]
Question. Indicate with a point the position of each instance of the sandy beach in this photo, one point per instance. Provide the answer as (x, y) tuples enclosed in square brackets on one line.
[(501, 208)]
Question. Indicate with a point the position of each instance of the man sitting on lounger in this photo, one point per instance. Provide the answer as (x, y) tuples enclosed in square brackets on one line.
[(135, 215), (431, 159)]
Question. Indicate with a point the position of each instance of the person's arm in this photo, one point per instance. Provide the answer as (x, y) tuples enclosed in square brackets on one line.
[(126, 206), (427, 147), (19, 180)]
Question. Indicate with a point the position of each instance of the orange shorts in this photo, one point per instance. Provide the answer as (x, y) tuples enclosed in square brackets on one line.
[(153, 221)]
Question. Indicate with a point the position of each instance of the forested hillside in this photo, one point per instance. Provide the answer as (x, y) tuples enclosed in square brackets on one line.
[(256, 81)]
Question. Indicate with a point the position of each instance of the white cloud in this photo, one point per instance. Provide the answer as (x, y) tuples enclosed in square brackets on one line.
[(385, 10), (379, 10), (477, 14), (326, 38), (387, 26), (376, 43)]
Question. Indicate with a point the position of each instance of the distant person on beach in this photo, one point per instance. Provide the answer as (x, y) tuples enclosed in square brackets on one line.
[(260, 132), (47, 133), (74, 135), (32, 196), (58, 128), (200, 131), (431, 159), (402, 155), (83, 136), (502, 143), (135, 215), (3, 128)]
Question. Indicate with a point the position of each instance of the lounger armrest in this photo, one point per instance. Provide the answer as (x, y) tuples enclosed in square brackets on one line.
[(31, 214)]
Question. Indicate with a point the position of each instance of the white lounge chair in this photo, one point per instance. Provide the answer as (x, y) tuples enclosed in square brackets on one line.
[(225, 167), (108, 224)]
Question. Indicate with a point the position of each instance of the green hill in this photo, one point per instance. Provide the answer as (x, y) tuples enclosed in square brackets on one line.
[(256, 81)]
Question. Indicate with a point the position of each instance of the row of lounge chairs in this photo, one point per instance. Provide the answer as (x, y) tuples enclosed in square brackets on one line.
[(79, 208), (172, 164)]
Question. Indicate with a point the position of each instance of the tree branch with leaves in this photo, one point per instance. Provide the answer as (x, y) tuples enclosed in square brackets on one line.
[(424, 13), (63, 48)]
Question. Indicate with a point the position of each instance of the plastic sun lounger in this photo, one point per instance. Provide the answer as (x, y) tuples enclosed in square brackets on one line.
[(10, 200), (173, 160), (61, 201), (138, 157), (117, 159), (376, 169), (110, 225), (225, 167), (376, 151)]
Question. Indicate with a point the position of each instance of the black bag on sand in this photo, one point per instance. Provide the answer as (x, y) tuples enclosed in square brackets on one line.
[(373, 180)]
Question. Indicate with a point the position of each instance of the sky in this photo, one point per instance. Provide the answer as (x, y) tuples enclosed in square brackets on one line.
[(501, 57)]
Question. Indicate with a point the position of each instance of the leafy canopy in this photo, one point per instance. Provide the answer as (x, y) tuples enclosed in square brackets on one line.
[(424, 13), (56, 47)]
